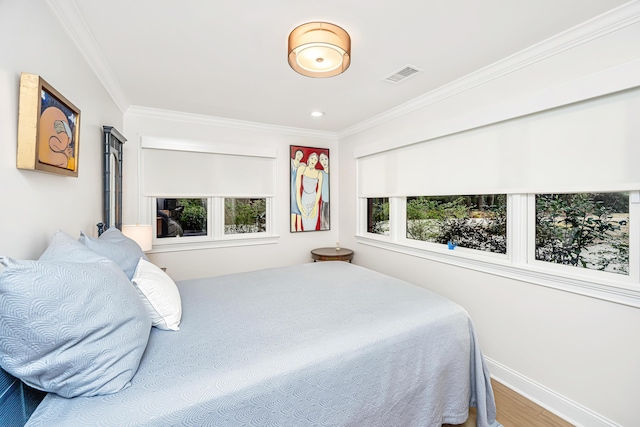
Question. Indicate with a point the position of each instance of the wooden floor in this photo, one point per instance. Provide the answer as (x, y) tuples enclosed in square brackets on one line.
[(517, 411)]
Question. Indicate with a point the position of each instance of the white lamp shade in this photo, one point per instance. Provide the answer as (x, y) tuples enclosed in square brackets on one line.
[(141, 234), (319, 49)]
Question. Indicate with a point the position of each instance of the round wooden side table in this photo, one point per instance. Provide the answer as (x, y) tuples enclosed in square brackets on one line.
[(332, 254)]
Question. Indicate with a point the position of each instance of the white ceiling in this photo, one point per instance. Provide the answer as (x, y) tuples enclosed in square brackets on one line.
[(228, 59)]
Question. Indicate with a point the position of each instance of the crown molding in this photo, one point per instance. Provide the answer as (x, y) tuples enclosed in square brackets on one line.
[(67, 13), (611, 80), (201, 119), (609, 22)]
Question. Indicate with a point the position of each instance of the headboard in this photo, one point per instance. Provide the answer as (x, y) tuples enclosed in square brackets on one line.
[(17, 400), (112, 179)]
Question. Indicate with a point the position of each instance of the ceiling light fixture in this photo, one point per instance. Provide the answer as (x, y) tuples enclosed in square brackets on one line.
[(319, 49), (317, 113)]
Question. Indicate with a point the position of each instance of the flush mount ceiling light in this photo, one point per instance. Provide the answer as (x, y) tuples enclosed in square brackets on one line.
[(317, 113), (319, 49)]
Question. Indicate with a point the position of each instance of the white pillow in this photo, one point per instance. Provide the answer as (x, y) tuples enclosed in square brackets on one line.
[(159, 295)]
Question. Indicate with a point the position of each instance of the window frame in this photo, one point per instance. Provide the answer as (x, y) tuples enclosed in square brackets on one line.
[(403, 236), (215, 226), (240, 236), (163, 240), (584, 273), (215, 237), (519, 263)]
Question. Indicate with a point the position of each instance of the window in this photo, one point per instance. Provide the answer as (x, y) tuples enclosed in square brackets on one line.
[(553, 230), (181, 217), (378, 216), (474, 222), (188, 223), (577, 242), (245, 216), (193, 194), (588, 230)]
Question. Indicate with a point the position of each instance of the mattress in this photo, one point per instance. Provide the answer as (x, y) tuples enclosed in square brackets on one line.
[(326, 344)]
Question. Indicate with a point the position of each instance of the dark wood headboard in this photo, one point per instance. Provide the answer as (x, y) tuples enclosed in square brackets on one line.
[(17, 400)]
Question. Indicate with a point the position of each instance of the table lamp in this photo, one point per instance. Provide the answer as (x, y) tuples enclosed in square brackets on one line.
[(141, 234)]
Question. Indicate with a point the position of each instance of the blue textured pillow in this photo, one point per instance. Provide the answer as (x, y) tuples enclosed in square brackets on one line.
[(117, 247), (71, 323)]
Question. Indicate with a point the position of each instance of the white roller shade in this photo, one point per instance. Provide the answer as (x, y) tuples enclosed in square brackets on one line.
[(589, 146), (170, 172)]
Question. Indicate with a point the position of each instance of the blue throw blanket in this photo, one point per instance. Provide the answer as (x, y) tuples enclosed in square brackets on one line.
[(327, 344)]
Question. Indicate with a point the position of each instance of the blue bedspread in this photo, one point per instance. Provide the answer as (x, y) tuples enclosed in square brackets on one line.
[(327, 344)]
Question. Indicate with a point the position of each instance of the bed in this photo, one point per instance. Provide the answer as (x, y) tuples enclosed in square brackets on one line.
[(327, 344)]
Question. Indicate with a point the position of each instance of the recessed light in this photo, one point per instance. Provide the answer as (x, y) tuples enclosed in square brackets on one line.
[(317, 113)]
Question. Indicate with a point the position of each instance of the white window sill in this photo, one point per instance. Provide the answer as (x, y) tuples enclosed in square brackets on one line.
[(186, 244), (620, 289)]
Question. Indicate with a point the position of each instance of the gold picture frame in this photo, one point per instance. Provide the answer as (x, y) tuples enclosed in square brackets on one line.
[(48, 129)]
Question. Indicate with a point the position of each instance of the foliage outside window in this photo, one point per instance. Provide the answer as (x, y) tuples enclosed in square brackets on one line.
[(378, 215), (181, 217), (588, 230), (245, 216), (476, 222)]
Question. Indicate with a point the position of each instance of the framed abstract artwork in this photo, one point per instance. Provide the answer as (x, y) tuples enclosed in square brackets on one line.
[(309, 189), (48, 128)]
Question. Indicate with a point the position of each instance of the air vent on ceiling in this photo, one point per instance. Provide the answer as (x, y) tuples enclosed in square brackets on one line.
[(402, 74)]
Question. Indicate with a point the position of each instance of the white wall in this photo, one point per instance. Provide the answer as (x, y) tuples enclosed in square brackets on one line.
[(291, 248), (574, 354), (35, 204)]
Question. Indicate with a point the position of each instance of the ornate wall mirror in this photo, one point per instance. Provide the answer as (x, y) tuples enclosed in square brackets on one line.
[(112, 166)]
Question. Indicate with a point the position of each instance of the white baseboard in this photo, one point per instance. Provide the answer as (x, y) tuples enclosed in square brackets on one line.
[(550, 400)]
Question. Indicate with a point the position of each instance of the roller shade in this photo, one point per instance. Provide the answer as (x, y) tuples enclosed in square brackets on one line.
[(171, 172), (588, 146)]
